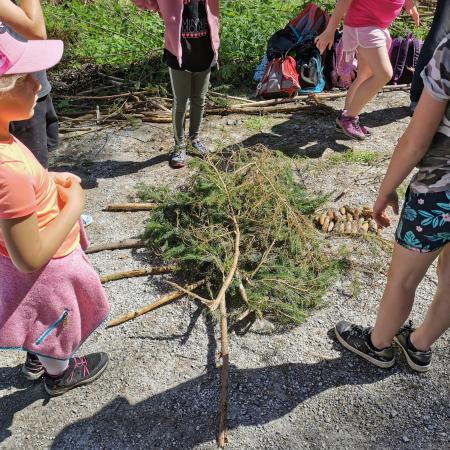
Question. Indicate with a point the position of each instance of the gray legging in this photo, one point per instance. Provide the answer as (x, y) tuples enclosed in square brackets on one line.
[(186, 86), (438, 30)]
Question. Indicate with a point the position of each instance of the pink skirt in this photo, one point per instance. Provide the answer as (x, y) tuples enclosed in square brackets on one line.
[(52, 311)]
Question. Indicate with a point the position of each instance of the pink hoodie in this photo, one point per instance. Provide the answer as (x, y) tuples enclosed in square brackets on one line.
[(171, 12)]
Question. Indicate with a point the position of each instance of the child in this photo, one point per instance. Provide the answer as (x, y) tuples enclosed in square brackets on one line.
[(51, 299), (190, 50), (365, 31), (423, 233)]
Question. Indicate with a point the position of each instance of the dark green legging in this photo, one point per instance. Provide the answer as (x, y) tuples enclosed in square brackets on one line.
[(191, 86)]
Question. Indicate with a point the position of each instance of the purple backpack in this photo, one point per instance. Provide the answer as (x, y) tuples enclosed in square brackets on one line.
[(343, 72), (403, 54)]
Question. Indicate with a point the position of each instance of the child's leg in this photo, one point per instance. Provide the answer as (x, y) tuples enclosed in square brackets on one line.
[(380, 65), (181, 90), (54, 366), (406, 271), (199, 89), (437, 320), (364, 73)]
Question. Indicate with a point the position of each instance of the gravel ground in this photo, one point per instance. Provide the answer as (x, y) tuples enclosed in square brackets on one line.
[(293, 389)]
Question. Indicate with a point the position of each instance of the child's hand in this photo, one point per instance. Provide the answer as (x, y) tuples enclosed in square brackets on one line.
[(71, 193), (64, 178), (411, 9), (325, 40), (379, 208)]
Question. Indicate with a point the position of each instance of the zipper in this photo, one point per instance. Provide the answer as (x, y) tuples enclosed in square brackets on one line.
[(44, 335)]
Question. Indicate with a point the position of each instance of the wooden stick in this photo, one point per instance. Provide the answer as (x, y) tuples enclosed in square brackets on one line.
[(127, 243), (231, 97), (120, 207), (150, 307), (137, 273), (204, 300), (100, 97), (224, 374)]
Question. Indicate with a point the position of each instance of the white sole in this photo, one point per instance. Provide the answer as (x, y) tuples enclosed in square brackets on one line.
[(382, 365), (30, 375), (410, 362)]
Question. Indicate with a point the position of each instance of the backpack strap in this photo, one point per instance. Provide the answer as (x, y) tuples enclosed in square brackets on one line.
[(401, 59)]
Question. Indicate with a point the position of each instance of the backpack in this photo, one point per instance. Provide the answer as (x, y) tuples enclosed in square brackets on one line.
[(310, 68), (343, 72), (403, 54), (260, 69), (280, 79), (312, 20)]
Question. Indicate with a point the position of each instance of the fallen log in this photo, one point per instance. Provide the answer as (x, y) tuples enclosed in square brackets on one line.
[(127, 243), (231, 97), (137, 273), (121, 207), (150, 307)]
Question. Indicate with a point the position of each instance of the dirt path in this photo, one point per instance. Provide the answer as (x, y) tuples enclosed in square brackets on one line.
[(292, 390)]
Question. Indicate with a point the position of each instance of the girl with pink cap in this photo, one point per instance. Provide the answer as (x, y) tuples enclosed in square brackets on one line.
[(51, 298)]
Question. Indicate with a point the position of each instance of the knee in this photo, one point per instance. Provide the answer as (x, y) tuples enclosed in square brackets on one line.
[(384, 74), (443, 269), (180, 104), (198, 101)]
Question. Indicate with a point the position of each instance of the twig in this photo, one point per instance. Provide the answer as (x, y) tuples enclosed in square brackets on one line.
[(231, 97), (131, 207), (127, 243), (224, 374), (137, 273), (150, 307), (188, 292)]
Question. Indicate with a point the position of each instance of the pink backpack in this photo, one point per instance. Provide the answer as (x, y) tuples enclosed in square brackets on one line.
[(343, 72), (280, 79)]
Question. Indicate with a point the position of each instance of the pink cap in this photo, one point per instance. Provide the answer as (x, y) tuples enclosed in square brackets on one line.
[(18, 55)]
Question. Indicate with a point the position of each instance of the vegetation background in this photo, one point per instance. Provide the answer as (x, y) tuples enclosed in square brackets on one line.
[(115, 35)]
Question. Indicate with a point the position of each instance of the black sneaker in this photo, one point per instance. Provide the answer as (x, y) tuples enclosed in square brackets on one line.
[(198, 148), (32, 369), (83, 370), (357, 339), (178, 157), (417, 360)]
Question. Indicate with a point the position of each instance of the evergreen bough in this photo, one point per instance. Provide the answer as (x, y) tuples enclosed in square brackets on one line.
[(282, 267)]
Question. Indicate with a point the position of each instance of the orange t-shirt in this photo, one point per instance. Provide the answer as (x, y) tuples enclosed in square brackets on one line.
[(26, 188)]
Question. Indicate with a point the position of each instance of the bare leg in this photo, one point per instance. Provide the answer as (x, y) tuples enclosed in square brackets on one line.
[(364, 73), (437, 320), (380, 65), (406, 271)]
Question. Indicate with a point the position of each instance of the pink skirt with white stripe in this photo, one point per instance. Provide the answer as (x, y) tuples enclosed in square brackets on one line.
[(52, 311)]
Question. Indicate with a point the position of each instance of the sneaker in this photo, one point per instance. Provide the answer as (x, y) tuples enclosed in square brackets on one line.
[(178, 157), (349, 126), (86, 219), (417, 360), (32, 369), (357, 339), (366, 130), (199, 148), (83, 370)]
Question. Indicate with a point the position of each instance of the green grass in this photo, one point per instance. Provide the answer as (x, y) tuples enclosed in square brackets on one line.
[(366, 157), (257, 123)]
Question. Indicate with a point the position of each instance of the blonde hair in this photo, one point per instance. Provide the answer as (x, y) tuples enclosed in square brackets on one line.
[(8, 82)]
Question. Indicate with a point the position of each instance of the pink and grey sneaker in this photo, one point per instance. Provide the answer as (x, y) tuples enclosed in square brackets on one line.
[(349, 126), (366, 130), (82, 370), (32, 369)]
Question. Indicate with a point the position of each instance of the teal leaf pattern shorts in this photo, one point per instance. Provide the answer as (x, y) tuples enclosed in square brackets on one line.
[(424, 224)]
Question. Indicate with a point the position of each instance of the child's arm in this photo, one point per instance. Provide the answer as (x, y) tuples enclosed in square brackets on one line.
[(26, 20), (29, 248), (326, 39), (410, 149)]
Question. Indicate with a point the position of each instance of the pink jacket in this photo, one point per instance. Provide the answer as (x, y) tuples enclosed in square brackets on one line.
[(171, 12)]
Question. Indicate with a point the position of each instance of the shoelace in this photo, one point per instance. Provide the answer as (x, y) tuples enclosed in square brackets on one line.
[(79, 362)]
